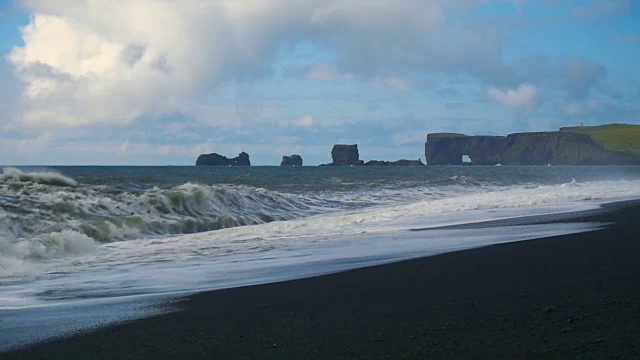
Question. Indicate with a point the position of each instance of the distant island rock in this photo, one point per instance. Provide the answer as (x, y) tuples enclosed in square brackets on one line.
[(402, 162), (218, 160), (613, 144), (345, 155), (293, 160), (348, 155)]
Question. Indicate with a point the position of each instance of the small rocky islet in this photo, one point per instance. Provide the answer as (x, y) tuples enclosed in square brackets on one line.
[(293, 160), (215, 159)]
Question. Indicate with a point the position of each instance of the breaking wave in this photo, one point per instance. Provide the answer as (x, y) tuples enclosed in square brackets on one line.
[(105, 214), (46, 215), (14, 175)]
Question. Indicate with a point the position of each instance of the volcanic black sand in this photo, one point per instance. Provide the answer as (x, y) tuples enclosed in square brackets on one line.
[(575, 296)]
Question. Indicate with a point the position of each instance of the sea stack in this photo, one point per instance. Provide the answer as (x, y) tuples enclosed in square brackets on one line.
[(293, 160), (214, 159), (345, 155)]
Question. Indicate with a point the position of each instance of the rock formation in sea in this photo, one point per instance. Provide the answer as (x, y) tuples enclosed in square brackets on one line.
[(293, 160), (402, 162), (615, 144), (218, 160), (345, 155), (348, 155)]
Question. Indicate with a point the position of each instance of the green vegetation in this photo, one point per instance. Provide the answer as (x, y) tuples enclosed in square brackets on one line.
[(614, 137)]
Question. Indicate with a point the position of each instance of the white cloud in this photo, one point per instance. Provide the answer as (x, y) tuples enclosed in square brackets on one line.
[(87, 62), (327, 72), (524, 96), (304, 122), (391, 82)]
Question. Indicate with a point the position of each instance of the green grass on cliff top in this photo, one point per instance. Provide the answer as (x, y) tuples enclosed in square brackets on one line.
[(614, 137)]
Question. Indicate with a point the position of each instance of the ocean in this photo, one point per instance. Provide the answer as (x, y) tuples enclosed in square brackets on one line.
[(88, 246)]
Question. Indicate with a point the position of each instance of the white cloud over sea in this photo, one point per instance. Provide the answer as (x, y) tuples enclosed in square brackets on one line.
[(86, 61)]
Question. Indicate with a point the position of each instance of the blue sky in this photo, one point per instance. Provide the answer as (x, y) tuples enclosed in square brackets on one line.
[(157, 82)]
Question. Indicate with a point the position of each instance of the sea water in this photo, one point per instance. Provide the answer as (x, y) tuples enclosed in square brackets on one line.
[(93, 242)]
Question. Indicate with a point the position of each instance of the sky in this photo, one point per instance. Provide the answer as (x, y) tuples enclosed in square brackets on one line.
[(158, 82)]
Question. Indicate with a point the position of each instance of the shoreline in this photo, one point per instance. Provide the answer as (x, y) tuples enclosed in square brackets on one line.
[(564, 296)]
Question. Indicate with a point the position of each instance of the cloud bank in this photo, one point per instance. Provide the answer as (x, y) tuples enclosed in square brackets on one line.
[(102, 62)]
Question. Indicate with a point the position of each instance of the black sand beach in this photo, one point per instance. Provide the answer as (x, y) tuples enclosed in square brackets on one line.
[(574, 296)]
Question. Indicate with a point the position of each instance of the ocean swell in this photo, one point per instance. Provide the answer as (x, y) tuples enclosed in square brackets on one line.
[(45, 215)]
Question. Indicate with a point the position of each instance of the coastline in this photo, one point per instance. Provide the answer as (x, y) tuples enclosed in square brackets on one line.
[(565, 296)]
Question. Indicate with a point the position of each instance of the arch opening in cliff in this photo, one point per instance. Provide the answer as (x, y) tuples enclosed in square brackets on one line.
[(466, 159)]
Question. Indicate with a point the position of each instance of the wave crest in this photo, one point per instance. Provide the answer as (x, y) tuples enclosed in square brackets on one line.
[(15, 175), (108, 214)]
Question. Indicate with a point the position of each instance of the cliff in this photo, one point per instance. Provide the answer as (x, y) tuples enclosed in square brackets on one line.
[(571, 146), (293, 160), (218, 160)]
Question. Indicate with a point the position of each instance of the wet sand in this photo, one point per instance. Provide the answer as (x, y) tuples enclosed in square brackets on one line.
[(573, 296)]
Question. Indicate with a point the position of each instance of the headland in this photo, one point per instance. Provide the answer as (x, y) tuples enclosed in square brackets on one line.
[(614, 144)]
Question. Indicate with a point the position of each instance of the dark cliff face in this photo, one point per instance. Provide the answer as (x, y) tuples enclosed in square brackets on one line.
[(448, 149), (345, 155), (218, 160), (293, 160), (542, 148)]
